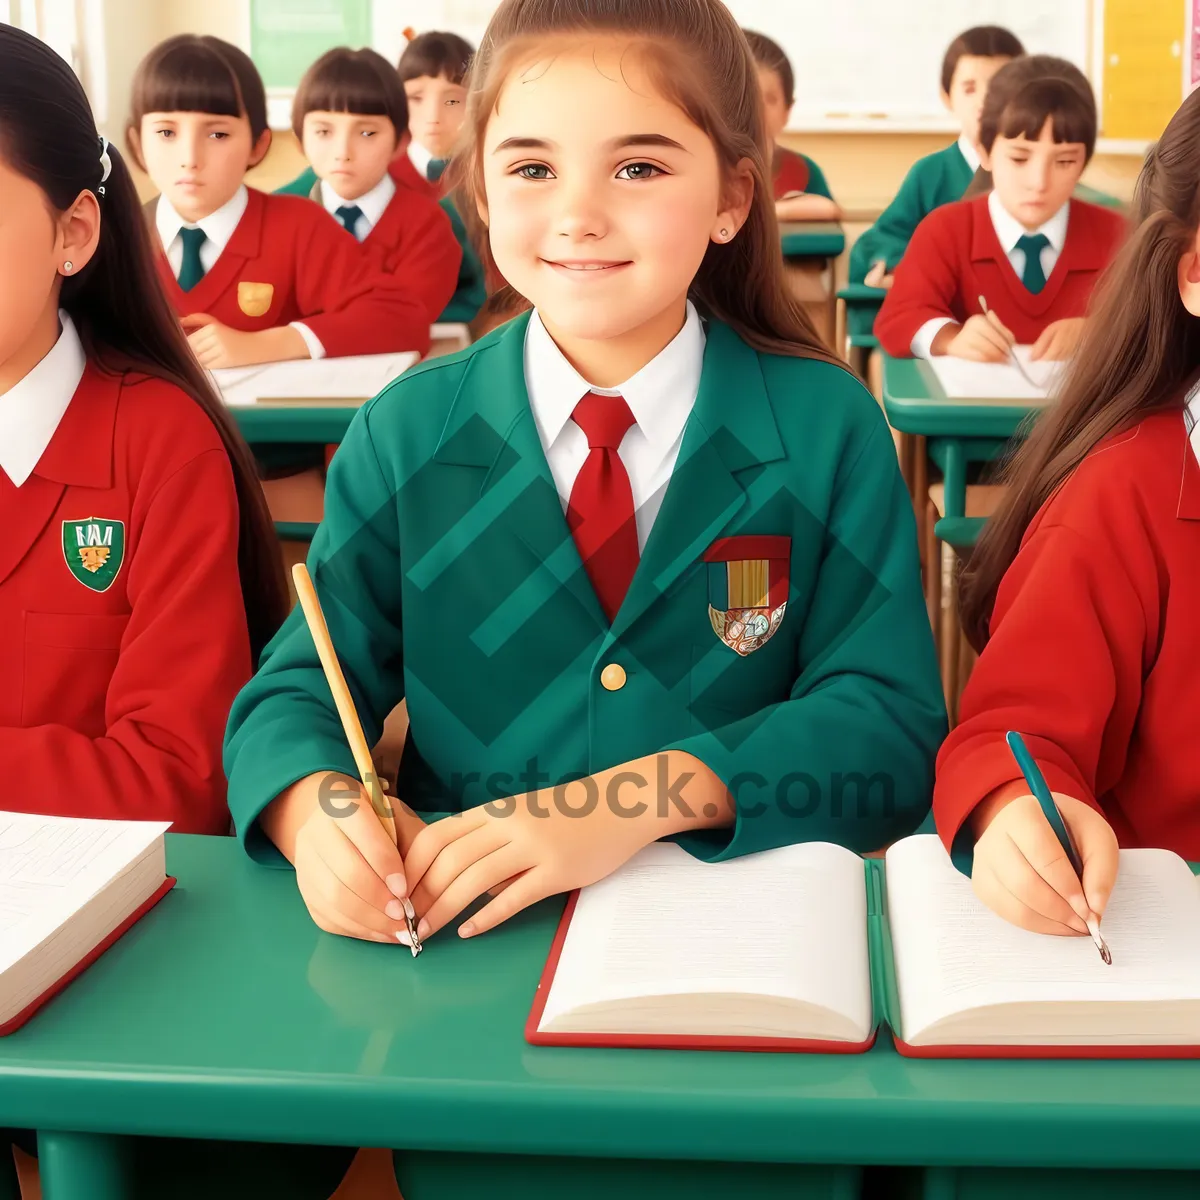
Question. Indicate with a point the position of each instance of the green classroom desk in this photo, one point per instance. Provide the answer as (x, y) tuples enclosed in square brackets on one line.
[(811, 239), (325, 425), (226, 1014), (957, 433)]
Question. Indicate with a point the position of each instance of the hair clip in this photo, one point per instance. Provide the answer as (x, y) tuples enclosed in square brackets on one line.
[(105, 163)]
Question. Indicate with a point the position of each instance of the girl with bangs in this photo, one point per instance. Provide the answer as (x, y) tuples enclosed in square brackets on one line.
[(640, 561), (1016, 264), (1083, 592), (255, 278)]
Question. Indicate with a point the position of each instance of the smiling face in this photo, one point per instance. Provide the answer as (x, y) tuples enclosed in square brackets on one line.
[(968, 89), (197, 159), (349, 151), (601, 196), (1034, 179), (436, 108)]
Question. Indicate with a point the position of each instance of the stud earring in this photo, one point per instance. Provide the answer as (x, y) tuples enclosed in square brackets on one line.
[(68, 267), (724, 234)]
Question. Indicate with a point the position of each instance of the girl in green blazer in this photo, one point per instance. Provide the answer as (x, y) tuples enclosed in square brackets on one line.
[(640, 561)]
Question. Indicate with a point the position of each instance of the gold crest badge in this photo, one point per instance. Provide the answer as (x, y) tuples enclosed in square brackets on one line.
[(254, 299)]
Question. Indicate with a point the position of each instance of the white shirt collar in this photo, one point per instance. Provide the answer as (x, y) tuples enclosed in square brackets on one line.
[(660, 395), (420, 157), (218, 226), (1010, 231), (373, 204), (967, 149), (31, 410)]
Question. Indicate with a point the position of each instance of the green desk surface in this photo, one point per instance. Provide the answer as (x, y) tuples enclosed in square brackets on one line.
[(915, 404), (811, 239), (861, 293), (1094, 196), (227, 1014), (299, 423)]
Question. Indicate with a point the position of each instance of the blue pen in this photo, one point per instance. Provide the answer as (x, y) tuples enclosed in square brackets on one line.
[(1037, 785)]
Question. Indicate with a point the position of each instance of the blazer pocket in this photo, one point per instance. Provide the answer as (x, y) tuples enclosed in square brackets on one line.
[(69, 661)]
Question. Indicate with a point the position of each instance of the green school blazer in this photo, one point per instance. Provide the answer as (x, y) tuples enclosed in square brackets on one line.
[(775, 627), (937, 179), (471, 292)]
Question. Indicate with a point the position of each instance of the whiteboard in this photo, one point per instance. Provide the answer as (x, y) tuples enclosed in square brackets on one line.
[(859, 64)]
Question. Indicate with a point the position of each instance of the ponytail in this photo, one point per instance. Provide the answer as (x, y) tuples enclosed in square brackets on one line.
[(116, 301)]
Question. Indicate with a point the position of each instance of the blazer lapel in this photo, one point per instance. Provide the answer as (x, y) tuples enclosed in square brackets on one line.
[(80, 453), (731, 429), (491, 428)]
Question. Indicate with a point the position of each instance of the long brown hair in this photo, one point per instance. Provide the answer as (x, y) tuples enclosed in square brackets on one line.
[(1140, 347), (700, 61), (124, 319)]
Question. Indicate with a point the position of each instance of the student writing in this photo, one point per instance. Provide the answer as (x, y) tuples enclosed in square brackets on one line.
[(255, 278), (1083, 592), (1026, 251), (648, 537), (942, 177)]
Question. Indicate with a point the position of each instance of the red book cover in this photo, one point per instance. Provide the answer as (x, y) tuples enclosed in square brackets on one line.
[(655, 1041), (1045, 1051), (15, 1023)]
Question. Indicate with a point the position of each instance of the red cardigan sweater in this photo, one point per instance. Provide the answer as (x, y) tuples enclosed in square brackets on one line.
[(117, 687), (955, 257), (289, 260), (1095, 641)]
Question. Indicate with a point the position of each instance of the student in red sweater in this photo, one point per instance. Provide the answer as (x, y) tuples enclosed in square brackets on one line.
[(350, 114), (1026, 248), (255, 277), (139, 574), (1084, 592)]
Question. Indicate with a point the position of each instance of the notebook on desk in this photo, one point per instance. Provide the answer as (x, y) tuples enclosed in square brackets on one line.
[(68, 890), (1031, 382), (327, 382), (809, 948)]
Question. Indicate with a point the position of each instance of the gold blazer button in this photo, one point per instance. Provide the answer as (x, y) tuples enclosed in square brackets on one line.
[(613, 677)]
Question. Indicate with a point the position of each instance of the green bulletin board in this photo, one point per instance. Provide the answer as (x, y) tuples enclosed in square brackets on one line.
[(287, 36)]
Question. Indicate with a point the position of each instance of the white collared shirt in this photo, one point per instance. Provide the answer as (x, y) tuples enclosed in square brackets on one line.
[(372, 204), (419, 157), (219, 227), (1192, 418), (32, 409), (967, 149), (660, 396), (1009, 232)]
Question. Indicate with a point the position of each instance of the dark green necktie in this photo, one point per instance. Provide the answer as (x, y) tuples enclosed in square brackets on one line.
[(191, 269), (433, 172), (1033, 277), (349, 215)]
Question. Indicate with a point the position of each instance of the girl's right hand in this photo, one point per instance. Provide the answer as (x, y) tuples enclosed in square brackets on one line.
[(982, 339), (878, 277), (1022, 873), (349, 872)]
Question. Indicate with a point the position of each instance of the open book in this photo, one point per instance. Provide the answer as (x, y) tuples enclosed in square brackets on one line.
[(809, 948), (1029, 381), (324, 381), (68, 889)]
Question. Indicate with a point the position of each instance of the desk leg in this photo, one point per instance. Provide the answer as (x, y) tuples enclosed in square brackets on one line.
[(82, 1166)]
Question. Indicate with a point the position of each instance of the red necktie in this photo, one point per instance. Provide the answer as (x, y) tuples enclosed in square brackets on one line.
[(600, 511)]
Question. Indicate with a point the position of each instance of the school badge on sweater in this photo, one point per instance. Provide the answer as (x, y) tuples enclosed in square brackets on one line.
[(255, 298), (747, 588), (94, 549)]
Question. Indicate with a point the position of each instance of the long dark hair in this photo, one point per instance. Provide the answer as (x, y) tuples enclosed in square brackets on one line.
[(1139, 350), (124, 319), (700, 60)]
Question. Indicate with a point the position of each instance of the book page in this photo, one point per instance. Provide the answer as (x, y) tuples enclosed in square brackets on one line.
[(789, 922), (357, 377), (952, 953), (961, 379), (50, 867)]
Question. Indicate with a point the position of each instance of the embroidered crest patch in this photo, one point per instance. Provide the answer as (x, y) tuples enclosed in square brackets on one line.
[(747, 589), (254, 299), (94, 549)]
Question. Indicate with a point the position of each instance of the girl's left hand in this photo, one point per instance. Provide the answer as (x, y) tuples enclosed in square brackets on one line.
[(1059, 340), (216, 345), (527, 847)]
